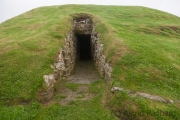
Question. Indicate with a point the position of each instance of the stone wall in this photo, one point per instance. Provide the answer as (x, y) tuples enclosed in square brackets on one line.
[(104, 68), (63, 67), (82, 26)]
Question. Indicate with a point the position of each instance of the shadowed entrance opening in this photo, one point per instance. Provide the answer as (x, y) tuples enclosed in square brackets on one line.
[(85, 71), (83, 46)]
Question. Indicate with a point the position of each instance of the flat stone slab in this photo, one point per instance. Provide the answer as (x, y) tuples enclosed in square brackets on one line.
[(85, 73), (144, 95)]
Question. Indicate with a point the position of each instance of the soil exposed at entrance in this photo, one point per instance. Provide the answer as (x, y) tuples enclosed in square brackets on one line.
[(85, 73), (75, 87)]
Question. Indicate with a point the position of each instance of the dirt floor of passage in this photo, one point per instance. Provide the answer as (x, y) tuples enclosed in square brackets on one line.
[(85, 73)]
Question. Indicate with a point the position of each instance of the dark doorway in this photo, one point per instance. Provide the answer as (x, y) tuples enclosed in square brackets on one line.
[(83, 46)]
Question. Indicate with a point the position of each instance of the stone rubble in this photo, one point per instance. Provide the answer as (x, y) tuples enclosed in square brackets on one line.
[(144, 95)]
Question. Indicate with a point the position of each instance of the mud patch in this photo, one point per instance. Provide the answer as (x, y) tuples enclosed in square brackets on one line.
[(80, 94), (76, 86), (65, 95), (24, 102)]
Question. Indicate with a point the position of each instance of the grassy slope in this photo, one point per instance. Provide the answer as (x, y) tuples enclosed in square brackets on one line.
[(146, 40)]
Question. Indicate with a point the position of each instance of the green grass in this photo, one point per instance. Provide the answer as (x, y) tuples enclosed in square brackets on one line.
[(78, 109), (141, 43), (60, 96), (72, 86)]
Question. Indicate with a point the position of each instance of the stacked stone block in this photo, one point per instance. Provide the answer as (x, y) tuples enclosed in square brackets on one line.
[(64, 66), (104, 68)]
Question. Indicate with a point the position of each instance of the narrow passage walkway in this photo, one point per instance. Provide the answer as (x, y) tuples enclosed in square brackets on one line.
[(85, 73)]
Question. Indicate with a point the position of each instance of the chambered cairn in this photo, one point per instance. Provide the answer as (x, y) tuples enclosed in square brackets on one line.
[(68, 55)]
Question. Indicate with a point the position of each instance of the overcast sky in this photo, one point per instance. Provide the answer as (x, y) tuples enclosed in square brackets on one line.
[(11, 8)]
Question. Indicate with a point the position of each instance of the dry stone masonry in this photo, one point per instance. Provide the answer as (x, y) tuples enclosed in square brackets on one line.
[(67, 56), (82, 25), (63, 67), (102, 65)]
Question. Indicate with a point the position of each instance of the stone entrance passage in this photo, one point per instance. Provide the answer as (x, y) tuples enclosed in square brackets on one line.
[(85, 71), (80, 58)]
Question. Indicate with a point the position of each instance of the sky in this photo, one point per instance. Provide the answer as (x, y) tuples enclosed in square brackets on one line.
[(12, 8)]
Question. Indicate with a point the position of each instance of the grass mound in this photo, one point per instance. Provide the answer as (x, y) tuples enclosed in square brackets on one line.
[(141, 43)]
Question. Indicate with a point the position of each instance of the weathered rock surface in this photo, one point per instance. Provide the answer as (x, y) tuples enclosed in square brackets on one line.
[(144, 95), (101, 63), (64, 66)]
